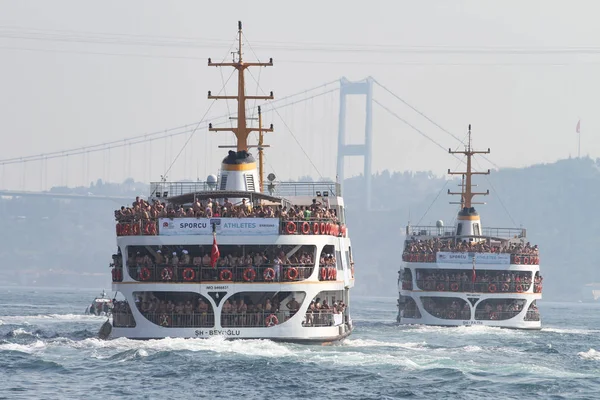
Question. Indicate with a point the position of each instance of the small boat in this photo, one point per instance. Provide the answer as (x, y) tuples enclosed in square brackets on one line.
[(101, 305)]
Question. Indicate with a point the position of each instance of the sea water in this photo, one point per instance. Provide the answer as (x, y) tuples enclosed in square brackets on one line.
[(49, 350)]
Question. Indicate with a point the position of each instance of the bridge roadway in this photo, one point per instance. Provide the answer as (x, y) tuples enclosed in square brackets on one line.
[(66, 196)]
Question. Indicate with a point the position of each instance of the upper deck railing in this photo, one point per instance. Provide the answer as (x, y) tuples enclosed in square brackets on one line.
[(448, 231), (280, 189)]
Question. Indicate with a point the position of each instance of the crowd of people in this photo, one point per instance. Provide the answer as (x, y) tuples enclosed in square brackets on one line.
[(121, 314), (447, 307), (434, 245), (320, 313), (485, 281), (498, 309), (142, 210)]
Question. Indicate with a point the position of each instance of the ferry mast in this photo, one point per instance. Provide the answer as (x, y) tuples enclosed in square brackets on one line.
[(467, 193), (241, 130)]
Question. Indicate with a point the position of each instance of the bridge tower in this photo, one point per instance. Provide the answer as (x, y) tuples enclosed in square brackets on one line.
[(365, 88)]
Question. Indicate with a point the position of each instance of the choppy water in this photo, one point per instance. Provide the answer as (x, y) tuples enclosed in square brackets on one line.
[(48, 350)]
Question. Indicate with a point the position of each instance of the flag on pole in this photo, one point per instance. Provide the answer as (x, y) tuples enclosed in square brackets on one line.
[(577, 128), (214, 254)]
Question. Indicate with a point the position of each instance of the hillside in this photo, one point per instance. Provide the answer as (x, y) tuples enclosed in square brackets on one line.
[(62, 242)]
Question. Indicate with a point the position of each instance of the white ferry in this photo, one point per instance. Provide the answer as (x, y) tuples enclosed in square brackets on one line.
[(230, 257), (467, 274)]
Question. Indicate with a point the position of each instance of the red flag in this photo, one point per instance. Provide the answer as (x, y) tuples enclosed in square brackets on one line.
[(214, 254), (578, 126)]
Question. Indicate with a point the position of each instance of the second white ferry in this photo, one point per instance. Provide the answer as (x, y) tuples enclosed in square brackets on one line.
[(234, 256), (466, 274)]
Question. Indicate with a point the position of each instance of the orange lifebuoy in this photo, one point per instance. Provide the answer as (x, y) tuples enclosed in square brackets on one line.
[(125, 229), (526, 260), (269, 274), (519, 288), (145, 274), (440, 287), (454, 286), (323, 273), (292, 274), (305, 228), (328, 229), (271, 320), (492, 288), (135, 229), (167, 274), (116, 275), (249, 274), (316, 228), (225, 275), (189, 274), (290, 228), (517, 260), (322, 228)]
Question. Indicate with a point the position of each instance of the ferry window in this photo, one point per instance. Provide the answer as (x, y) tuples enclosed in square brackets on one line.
[(459, 229), (476, 230), (338, 257)]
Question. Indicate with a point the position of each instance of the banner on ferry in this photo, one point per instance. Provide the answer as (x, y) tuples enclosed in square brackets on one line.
[(225, 226), (444, 257)]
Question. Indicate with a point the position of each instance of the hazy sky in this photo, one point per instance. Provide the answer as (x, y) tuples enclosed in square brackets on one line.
[(80, 73)]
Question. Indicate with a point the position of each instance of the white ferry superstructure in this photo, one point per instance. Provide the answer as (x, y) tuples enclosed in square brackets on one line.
[(467, 274), (259, 277)]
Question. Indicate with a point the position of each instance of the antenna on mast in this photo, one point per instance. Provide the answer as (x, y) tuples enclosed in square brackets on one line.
[(241, 130), (467, 193)]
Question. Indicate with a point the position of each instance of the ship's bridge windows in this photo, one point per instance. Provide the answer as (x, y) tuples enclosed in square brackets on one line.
[(237, 263), (447, 307), (121, 313), (328, 308), (459, 229), (260, 309), (175, 309), (476, 229), (498, 309)]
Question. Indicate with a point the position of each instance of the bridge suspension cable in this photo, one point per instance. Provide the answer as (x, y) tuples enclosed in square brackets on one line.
[(163, 134)]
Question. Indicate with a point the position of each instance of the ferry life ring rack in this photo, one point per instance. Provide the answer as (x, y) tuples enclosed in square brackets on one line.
[(305, 228), (454, 287), (269, 274), (271, 320), (145, 274), (165, 320), (492, 288), (440, 287), (189, 274), (323, 273), (167, 274), (249, 274), (292, 274), (225, 275)]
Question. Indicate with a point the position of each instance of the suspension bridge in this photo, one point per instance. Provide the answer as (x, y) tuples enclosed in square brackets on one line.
[(327, 126)]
